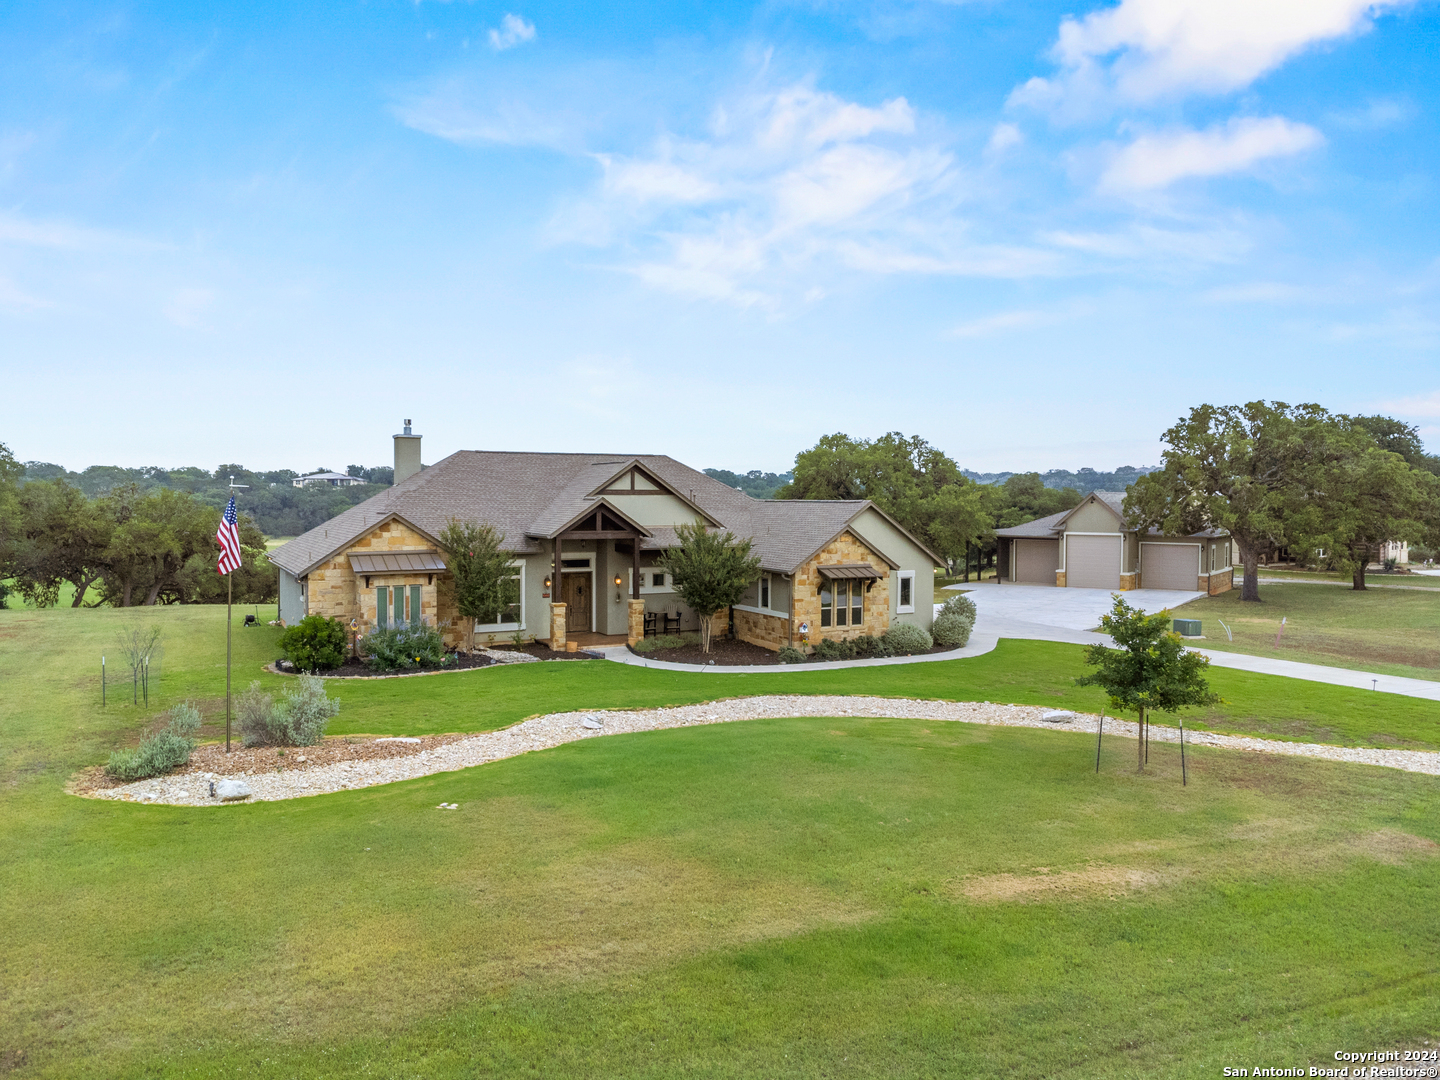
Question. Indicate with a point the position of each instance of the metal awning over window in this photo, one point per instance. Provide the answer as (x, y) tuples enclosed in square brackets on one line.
[(397, 562), (862, 570)]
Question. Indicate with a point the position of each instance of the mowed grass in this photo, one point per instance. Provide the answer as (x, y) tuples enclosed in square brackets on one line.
[(1374, 578), (1388, 631), (774, 898)]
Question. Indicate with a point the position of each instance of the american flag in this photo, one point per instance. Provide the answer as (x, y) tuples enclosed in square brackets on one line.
[(229, 537)]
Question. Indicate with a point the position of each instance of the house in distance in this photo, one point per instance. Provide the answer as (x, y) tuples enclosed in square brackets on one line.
[(587, 531)]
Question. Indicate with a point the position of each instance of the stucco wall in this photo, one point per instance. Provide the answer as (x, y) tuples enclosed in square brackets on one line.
[(292, 602), (873, 527), (1092, 517)]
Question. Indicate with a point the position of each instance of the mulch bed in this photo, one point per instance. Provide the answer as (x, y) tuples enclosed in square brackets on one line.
[(544, 652), (359, 669), (734, 654), (211, 758)]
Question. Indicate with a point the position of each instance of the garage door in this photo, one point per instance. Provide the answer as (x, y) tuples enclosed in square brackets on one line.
[(1036, 561), (1092, 562), (1168, 566)]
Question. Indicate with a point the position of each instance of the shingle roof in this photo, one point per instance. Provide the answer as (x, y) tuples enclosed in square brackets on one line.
[(1052, 526), (1046, 527), (527, 497)]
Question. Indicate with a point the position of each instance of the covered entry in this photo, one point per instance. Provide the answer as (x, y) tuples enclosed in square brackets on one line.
[(1092, 562), (1036, 561), (1169, 566)]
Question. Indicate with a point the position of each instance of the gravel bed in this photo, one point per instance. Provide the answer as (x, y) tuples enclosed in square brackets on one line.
[(542, 732)]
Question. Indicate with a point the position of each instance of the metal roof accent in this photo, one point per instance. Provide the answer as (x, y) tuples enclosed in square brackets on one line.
[(397, 562), (861, 570)]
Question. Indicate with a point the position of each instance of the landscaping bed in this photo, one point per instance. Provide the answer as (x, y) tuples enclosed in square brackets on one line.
[(544, 652), (738, 654), (354, 668), (211, 760)]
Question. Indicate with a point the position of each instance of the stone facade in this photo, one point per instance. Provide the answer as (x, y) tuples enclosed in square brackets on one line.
[(1060, 579), (635, 628), (558, 623), (768, 631), (805, 600), (1129, 581), (1217, 582)]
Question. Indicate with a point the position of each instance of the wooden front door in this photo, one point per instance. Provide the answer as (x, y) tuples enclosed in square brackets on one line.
[(576, 597)]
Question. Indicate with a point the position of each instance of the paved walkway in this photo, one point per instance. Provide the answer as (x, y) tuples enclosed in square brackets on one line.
[(1037, 613)]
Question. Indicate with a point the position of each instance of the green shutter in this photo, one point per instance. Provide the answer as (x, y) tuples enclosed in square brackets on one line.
[(382, 607), (414, 605), (399, 593)]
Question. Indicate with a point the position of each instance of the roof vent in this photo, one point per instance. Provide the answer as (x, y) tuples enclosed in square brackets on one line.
[(407, 427)]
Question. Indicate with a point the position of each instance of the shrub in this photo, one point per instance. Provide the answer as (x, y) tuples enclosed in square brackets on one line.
[(950, 631), (315, 643), (258, 718), (302, 716), (405, 648), (959, 605), (791, 655), (665, 641), (905, 639), (166, 749), (867, 647), (831, 649)]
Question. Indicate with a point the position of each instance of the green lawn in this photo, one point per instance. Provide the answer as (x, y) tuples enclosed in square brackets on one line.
[(67, 597), (802, 898), (1375, 578), (1389, 631)]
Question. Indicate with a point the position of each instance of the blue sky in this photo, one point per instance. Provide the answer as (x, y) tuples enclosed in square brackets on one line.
[(1034, 234)]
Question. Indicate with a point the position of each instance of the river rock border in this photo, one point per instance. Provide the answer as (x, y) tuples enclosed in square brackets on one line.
[(554, 729)]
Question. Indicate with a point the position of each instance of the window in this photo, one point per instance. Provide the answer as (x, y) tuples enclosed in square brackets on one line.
[(651, 581), (395, 605), (905, 596), (657, 581), (513, 616), (842, 603), (575, 564), (765, 591)]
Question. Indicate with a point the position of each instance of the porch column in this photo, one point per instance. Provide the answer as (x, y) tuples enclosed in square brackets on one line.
[(635, 567)]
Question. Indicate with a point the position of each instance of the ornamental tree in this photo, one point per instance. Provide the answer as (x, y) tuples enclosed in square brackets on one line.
[(1150, 670), (711, 571), (485, 580)]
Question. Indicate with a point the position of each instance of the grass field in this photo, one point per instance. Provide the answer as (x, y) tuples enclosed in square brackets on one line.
[(1375, 578), (1389, 631), (782, 898)]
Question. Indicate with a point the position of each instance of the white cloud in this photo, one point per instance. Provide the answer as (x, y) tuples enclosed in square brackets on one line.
[(1158, 160), (513, 31), (1142, 50), (1003, 138), (1425, 405)]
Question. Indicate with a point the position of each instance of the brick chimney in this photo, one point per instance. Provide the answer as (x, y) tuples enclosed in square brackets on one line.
[(407, 454)]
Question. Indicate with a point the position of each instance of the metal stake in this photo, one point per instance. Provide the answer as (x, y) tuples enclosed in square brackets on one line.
[(102, 678), (1184, 777), (1099, 734)]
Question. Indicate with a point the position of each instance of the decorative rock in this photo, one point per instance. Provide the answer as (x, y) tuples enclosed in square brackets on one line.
[(396, 738), (232, 790), (1058, 716), (591, 723)]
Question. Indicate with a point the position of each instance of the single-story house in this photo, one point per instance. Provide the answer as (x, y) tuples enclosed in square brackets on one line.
[(334, 479), (1091, 547), (587, 532)]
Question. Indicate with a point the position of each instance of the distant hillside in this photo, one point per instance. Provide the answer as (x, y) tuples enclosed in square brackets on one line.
[(1085, 480), (756, 484), (278, 507)]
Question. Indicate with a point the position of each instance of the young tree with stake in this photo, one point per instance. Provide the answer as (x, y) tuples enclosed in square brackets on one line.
[(1151, 670)]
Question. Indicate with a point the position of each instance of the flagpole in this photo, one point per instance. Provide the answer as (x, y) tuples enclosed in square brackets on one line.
[(229, 629)]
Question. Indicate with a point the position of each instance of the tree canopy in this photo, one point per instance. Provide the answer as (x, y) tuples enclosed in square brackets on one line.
[(918, 485), (711, 571), (485, 582)]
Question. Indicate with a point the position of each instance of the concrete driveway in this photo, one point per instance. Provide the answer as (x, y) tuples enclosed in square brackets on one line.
[(1065, 609)]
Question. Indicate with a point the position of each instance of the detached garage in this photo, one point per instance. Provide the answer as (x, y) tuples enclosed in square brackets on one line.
[(1090, 547), (1169, 566)]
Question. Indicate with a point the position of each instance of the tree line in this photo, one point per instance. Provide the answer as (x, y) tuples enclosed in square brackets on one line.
[(276, 505), (1329, 486), (125, 546)]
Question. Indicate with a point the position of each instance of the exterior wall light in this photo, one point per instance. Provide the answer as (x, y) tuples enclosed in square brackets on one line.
[(617, 588), (547, 583)]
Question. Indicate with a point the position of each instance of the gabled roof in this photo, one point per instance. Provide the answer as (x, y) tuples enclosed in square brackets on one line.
[(1052, 526), (1114, 501), (529, 497)]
